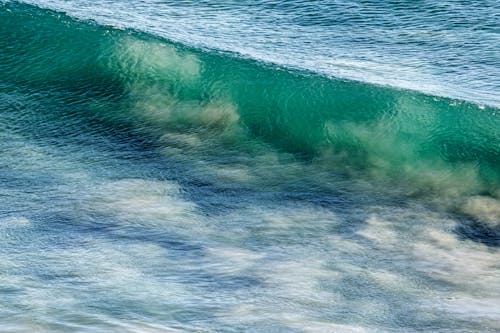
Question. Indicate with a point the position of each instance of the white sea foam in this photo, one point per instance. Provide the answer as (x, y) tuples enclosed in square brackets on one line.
[(232, 259), (486, 209), (14, 221), (149, 60), (312, 326), (141, 200), (465, 263)]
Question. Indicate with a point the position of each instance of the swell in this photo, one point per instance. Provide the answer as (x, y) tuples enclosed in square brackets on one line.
[(205, 102)]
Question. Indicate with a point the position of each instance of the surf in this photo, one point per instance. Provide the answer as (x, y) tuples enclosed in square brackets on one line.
[(349, 127), (149, 185)]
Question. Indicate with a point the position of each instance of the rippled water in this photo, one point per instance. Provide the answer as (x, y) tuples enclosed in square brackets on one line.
[(448, 48), (162, 185)]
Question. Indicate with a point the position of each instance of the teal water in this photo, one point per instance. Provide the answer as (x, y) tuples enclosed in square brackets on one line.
[(449, 48), (149, 184)]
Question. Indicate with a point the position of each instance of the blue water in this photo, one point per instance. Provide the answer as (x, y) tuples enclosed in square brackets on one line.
[(266, 166), (447, 48)]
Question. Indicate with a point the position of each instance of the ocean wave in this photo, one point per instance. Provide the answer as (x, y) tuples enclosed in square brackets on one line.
[(208, 103), (430, 48)]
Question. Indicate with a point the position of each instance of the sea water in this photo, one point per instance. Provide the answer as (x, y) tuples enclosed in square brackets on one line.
[(264, 166)]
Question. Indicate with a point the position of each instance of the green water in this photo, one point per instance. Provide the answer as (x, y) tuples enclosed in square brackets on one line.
[(198, 190), (348, 127)]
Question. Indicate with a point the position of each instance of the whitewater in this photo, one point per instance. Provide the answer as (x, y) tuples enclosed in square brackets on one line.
[(268, 166)]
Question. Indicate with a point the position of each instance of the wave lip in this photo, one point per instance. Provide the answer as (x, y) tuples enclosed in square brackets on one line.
[(439, 49)]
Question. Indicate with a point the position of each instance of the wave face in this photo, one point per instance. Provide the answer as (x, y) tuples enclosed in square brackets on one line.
[(445, 49), (431, 144), (151, 186)]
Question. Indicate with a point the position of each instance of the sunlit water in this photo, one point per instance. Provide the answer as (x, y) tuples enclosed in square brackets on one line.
[(448, 48), (147, 186)]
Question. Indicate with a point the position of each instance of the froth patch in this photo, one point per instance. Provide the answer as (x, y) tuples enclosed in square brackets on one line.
[(291, 320), (390, 280), (315, 326), (181, 140), (299, 282), (14, 221), (147, 328), (165, 85), (467, 306), (143, 200), (233, 259), (388, 157), (461, 263), (378, 230), (155, 60), (485, 209), (163, 109)]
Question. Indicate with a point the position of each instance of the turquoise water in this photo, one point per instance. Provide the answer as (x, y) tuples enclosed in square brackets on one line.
[(180, 167), (449, 48)]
